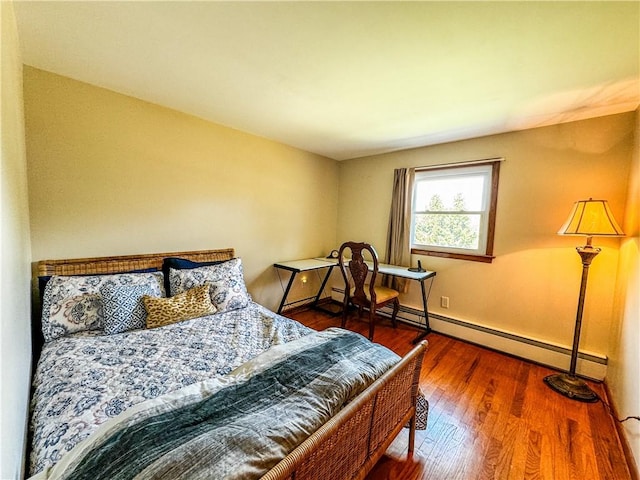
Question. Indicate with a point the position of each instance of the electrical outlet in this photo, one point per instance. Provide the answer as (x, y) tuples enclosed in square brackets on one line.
[(444, 302)]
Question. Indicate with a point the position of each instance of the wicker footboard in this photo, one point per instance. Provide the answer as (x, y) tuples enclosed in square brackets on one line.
[(350, 444)]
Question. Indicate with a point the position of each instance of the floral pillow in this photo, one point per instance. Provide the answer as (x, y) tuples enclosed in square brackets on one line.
[(181, 264), (228, 290), (74, 304)]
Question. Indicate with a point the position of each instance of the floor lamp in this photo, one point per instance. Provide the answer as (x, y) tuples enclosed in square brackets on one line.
[(590, 218)]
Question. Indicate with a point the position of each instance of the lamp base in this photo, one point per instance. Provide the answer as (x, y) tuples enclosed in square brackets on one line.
[(571, 386)]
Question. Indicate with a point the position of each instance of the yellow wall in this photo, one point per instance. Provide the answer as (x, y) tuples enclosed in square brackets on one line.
[(531, 288), (15, 259), (111, 175), (624, 374)]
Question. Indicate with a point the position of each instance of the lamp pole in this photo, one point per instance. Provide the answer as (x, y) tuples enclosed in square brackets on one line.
[(568, 384), (587, 254)]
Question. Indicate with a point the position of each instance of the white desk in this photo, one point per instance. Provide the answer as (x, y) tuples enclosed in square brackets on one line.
[(305, 265), (297, 266)]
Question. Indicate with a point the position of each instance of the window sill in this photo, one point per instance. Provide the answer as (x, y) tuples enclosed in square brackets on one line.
[(457, 256)]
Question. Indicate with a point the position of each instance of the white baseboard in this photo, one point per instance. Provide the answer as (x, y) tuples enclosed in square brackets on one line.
[(589, 365)]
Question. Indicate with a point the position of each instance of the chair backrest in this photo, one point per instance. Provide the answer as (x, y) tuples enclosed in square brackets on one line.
[(358, 270)]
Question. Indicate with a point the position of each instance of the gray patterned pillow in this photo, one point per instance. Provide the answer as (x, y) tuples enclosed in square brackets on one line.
[(123, 308), (73, 304), (228, 290)]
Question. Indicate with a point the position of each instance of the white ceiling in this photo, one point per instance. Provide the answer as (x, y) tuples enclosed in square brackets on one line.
[(349, 79)]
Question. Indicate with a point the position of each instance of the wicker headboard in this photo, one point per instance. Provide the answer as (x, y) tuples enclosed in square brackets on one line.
[(126, 263), (102, 265)]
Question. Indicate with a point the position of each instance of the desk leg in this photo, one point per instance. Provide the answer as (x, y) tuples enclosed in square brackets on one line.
[(427, 328), (324, 283), (315, 302), (286, 292)]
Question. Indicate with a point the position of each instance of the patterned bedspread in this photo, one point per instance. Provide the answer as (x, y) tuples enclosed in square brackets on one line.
[(84, 380), (233, 427)]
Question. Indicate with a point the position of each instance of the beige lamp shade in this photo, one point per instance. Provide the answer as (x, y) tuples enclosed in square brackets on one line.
[(591, 218)]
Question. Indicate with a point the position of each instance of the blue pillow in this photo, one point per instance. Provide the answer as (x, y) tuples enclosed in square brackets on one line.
[(123, 308)]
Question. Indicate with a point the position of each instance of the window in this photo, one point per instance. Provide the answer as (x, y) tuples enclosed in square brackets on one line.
[(453, 212)]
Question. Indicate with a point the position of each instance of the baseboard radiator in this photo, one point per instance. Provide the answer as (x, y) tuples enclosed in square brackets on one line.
[(590, 365)]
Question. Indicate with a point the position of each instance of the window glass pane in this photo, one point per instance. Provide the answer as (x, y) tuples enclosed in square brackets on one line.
[(450, 193), (447, 230)]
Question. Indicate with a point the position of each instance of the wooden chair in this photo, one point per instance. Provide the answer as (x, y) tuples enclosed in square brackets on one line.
[(360, 293)]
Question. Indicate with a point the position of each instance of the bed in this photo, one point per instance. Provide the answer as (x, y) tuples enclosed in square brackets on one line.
[(215, 386)]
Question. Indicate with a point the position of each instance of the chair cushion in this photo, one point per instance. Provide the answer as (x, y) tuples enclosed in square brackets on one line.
[(383, 294)]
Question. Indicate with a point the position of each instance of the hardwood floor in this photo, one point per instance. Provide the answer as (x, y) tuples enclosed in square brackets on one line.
[(492, 417)]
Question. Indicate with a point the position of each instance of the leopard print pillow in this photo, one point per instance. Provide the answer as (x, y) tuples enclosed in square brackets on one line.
[(193, 303)]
